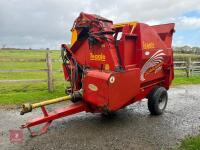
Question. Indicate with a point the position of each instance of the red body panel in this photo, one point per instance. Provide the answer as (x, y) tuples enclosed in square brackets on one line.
[(124, 89), (96, 88), (100, 92)]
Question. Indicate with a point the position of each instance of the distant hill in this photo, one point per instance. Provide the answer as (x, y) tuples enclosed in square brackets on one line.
[(187, 50)]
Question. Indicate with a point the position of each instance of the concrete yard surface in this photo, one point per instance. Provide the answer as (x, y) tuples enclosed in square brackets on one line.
[(130, 128)]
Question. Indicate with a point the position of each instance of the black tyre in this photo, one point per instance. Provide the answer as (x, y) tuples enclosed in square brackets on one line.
[(157, 100)]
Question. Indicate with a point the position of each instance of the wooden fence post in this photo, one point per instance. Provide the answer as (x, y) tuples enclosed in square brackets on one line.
[(49, 72), (188, 66)]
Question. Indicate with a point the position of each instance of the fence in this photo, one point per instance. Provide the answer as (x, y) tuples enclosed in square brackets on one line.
[(50, 80), (189, 67)]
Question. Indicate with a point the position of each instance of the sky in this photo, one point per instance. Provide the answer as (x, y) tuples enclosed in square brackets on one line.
[(46, 23)]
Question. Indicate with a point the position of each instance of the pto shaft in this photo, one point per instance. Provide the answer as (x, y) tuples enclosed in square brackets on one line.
[(27, 107)]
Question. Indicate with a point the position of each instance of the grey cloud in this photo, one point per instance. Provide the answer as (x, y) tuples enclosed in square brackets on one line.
[(47, 23)]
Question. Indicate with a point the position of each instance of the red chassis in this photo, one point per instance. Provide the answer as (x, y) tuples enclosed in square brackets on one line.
[(114, 65)]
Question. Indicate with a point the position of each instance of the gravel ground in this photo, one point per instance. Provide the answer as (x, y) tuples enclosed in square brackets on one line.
[(131, 128)]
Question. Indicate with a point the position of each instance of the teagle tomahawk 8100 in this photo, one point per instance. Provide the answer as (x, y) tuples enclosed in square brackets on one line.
[(110, 66)]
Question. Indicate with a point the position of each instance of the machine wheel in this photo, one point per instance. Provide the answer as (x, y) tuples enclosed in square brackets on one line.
[(157, 100)]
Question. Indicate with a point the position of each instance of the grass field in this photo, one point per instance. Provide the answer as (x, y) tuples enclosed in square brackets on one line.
[(190, 143), (17, 93)]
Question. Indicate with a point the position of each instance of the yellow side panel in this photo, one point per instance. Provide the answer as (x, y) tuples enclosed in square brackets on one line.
[(118, 25), (74, 36)]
